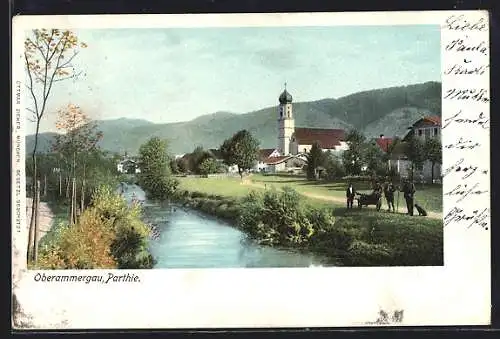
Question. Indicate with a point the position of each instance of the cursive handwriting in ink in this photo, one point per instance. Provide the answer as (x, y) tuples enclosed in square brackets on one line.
[(473, 94), (463, 144), (477, 217), (465, 45), (460, 23), (468, 170), (458, 69), (481, 120), (464, 191)]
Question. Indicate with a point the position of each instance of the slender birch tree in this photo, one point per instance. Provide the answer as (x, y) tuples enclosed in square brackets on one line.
[(48, 55)]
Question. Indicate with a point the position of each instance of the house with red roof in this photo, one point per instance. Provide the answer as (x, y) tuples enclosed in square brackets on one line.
[(424, 128)]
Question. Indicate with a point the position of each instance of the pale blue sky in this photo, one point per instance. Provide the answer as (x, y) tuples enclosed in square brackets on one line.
[(170, 75)]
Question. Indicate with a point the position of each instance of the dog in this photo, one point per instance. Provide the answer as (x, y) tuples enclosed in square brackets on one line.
[(421, 211)]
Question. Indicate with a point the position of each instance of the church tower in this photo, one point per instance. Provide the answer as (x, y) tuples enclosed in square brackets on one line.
[(286, 123)]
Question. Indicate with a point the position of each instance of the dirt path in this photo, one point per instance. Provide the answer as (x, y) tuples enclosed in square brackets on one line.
[(45, 217), (401, 209)]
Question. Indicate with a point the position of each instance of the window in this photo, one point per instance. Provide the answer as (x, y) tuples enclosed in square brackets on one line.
[(305, 150), (419, 132), (435, 131)]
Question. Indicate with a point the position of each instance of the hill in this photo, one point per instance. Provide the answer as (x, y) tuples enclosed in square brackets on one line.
[(388, 111)]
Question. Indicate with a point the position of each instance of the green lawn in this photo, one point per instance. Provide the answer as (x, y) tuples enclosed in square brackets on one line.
[(429, 196)]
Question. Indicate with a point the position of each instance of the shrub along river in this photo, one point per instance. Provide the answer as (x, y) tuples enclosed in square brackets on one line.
[(190, 239)]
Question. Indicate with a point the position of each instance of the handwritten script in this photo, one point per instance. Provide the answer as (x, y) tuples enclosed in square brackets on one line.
[(466, 69)]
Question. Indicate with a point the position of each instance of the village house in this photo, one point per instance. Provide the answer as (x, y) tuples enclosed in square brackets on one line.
[(424, 128), (271, 161), (128, 165)]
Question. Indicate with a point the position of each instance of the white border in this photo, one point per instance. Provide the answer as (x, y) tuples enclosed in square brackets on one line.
[(456, 294)]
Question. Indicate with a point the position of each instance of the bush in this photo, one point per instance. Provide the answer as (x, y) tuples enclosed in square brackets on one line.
[(109, 234), (275, 217)]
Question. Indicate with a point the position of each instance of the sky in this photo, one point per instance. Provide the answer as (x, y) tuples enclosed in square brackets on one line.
[(177, 74)]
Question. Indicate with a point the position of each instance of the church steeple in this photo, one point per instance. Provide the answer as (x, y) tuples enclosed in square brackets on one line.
[(286, 123)]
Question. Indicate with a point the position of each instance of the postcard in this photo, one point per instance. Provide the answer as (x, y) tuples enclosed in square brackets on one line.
[(251, 170)]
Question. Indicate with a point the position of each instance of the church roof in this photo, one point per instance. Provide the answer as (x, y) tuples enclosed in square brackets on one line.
[(327, 138), (285, 97)]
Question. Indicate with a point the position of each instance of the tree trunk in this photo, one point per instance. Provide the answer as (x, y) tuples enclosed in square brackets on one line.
[(432, 172), (82, 207), (36, 231), (82, 200), (73, 202), (67, 187), (34, 178), (60, 184), (45, 185)]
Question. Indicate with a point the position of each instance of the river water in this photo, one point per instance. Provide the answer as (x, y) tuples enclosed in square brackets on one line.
[(190, 239)]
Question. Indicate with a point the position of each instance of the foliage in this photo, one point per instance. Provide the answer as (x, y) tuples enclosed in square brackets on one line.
[(155, 176), (315, 158), (242, 150), (373, 158), (433, 153), (276, 217), (46, 62), (352, 158), (208, 166), (415, 152), (333, 167), (182, 165), (109, 234)]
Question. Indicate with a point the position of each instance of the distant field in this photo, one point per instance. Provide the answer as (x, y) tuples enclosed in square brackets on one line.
[(316, 192), (429, 196)]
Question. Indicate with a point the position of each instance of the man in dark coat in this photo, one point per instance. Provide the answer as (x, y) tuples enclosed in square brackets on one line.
[(409, 192), (350, 193), (389, 190)]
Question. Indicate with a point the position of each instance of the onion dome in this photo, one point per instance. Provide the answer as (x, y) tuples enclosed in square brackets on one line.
[(285, 97)]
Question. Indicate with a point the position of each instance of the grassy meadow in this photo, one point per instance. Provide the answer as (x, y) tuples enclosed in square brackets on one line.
[(319, 193)]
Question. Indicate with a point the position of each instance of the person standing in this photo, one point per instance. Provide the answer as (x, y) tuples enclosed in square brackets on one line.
[(389, 190), (350, 193), (409, 192)]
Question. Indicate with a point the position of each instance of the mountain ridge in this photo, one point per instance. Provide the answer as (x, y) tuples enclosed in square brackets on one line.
[(389, 111)]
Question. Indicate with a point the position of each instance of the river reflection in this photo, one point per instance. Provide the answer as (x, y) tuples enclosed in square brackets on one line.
[(189, 239)]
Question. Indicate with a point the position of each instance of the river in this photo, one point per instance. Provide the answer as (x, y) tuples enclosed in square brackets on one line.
[(190, 239)]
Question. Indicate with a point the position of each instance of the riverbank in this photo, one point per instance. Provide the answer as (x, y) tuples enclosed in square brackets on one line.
[(350, 237)]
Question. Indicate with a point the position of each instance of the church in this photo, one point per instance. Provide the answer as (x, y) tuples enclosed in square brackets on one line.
[(299, 140), (293, 143)]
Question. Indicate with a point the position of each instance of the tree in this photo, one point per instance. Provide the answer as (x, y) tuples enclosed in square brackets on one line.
[(198, 155), (155, 176), (315, 158), (46, 62), (182, 165), (333, 166), (415, 152), (373, 157), (352, 158), (433, 153), (174, 166), (208, 166), (241, 149), (78, 138)]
